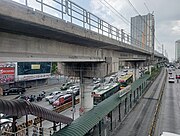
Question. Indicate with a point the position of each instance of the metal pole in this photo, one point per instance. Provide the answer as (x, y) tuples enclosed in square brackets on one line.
[(41, 129), (0, 125), (130, 100), (125, 105), (81, 91), (27, 124), (73, 105), (153, 30), (120, 112), (26, 3), (14, 128), (60, 125), (111, 119), (42, 5), (99, 128), (54, 126)]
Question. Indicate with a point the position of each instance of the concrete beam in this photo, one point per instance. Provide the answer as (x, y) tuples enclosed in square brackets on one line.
[(16, 18)]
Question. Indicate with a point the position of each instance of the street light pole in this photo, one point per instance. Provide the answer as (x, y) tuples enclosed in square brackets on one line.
[(73, 105)]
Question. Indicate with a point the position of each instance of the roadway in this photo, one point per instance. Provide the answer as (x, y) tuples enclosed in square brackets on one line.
[(138, 122), (169, 115), (53, 85)]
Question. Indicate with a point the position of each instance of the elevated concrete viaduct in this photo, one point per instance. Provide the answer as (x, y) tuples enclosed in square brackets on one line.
[(29, 35)]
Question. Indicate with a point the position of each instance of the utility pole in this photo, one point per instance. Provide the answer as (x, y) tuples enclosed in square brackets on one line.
[(73, 104), (153, 31)]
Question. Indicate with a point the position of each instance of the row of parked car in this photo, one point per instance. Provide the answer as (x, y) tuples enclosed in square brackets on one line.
[(58, 98)]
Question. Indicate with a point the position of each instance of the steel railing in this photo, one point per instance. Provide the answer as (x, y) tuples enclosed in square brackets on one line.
[(73, 13)]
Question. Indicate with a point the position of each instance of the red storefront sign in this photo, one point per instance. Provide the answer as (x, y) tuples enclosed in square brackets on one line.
[(7, 71), (7, 75)]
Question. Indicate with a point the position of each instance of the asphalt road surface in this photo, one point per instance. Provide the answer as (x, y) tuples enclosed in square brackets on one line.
[(139, 120), (169, 115)]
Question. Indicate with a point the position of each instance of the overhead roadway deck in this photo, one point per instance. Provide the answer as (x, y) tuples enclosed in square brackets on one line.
[(19, 19)]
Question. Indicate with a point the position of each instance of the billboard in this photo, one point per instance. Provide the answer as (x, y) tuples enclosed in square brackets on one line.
[(33, 77), (27, 71), (7, 73)]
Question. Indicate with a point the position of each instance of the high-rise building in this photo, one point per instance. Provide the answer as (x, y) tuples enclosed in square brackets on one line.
[(177, 50), (142, 31)]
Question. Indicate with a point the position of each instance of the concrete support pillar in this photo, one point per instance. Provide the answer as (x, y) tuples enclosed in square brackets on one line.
[(135, 71), (108, 65), (86, 72), (115, 64), (86, 101)]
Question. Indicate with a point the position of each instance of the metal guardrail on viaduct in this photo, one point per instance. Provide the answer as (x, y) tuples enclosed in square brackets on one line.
[(64, 20)]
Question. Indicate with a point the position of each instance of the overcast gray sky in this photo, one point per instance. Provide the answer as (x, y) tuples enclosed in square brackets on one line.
[(167, 17)]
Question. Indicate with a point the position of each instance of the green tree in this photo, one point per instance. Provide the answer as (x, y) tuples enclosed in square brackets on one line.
[(54, 68)]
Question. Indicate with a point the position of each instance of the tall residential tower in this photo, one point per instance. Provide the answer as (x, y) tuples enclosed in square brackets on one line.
[(177, 50), (142, 31)]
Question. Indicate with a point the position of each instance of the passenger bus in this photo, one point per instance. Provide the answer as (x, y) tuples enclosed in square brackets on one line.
[(102, 93), (126, 80), (124, 91)]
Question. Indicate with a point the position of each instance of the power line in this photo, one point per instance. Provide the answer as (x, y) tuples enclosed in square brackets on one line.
[(142, 17), (146, 7), (126, 20), (116, 12), (119, 14), (138, 13), (133, 7), (131, 24)]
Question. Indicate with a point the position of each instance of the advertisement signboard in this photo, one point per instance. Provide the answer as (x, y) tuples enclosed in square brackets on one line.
[(33, 77), (7, 73), (27, 71)]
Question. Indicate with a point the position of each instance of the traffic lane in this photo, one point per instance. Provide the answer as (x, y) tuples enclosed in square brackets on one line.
[(139, 119), (169, 117), (149, 108), (47, 105), (42, 103), (34, 91)]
